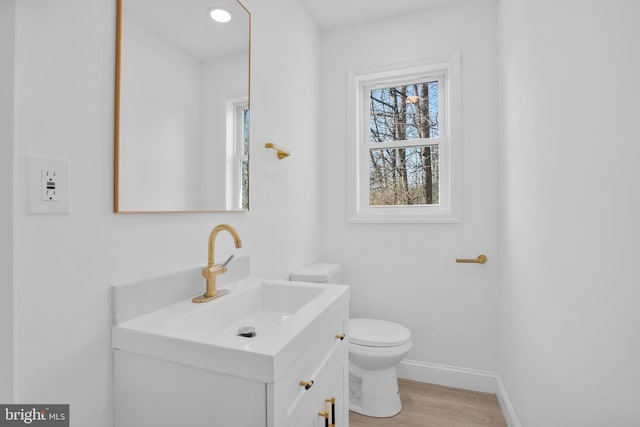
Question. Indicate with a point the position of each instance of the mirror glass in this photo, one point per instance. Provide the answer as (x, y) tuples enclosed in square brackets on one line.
[(182, 106)]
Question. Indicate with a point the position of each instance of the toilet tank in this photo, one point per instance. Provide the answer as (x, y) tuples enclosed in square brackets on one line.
[(319, 272)]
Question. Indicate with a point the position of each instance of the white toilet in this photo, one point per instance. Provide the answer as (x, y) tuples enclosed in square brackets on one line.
[(375, 349)]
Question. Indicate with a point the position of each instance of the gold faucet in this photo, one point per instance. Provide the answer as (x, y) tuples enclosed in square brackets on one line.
[(212, 270)]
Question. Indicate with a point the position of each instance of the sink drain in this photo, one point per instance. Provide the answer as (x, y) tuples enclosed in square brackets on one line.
[(247, 332)]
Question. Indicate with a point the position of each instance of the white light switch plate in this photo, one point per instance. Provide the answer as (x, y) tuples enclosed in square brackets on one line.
[(47, 185)]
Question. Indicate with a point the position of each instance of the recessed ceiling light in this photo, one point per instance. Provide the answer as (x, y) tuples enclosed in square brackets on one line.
[(220, 15)]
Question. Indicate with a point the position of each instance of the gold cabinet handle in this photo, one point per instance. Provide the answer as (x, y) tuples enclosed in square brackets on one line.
[(306, 384), (325, 415), (480, 260), (341, 336), (332, 400)]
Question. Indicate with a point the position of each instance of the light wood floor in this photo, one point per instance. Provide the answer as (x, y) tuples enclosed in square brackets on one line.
[(428, 405)]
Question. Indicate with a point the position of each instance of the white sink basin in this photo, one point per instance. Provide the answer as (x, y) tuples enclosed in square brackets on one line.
[(263, 305), (207, 335)]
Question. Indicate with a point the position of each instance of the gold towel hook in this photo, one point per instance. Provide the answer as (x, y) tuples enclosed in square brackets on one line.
[(480, 260)]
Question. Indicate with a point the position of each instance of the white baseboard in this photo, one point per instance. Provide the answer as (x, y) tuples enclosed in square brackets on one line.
[(509, 412), (450, 376), (455, 376)]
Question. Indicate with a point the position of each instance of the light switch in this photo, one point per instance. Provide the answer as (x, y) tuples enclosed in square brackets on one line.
[(48, 185)]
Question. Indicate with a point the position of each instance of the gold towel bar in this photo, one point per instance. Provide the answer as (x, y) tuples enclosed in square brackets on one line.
[(480, 260), (282, 153)]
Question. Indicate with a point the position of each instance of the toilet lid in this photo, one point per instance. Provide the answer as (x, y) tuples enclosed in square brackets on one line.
[(377, 333)]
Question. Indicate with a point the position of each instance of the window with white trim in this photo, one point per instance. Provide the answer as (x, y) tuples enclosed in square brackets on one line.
[(242, 154), (404, 143), (237, 193)]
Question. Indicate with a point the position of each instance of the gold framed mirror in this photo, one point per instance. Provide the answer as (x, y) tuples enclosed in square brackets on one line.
[(182, 96)]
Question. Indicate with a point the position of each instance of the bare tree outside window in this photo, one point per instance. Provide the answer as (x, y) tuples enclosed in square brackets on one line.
[(403, 165)]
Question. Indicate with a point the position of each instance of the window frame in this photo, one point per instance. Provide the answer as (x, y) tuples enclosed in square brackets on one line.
[(235, 151), (445, 69)]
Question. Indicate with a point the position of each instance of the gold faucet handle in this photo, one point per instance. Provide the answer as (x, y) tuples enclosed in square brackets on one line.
[(214, 270)]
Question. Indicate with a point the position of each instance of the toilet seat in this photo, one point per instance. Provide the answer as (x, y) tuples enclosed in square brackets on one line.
[(377, 333)]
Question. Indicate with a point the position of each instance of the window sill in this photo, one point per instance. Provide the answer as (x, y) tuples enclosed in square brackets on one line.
[(404, 215)]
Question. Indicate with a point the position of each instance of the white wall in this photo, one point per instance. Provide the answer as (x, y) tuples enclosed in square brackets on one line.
[(569, 318), (7, 40), (407, 273), (65, 264)]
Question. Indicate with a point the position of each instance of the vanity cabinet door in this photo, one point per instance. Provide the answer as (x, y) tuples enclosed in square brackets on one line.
[(324, 367), (327, 403)]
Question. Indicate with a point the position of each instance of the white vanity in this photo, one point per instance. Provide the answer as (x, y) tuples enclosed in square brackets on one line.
[(183, 364)]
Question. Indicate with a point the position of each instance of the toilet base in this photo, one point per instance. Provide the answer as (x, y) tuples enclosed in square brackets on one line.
[(374, 393)]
